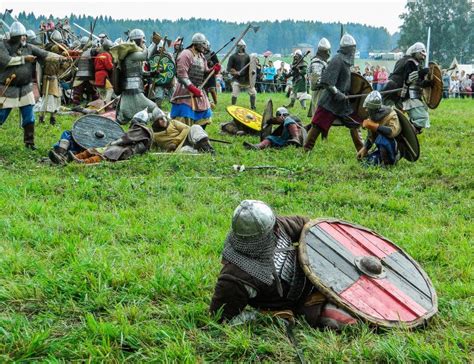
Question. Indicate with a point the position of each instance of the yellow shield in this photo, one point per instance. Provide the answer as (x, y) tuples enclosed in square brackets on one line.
[(246, 117)]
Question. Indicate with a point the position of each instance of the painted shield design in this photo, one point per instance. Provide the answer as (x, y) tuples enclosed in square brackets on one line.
[(246, 117), (433, 95), (166, 66), (366, 274), (267, 115), (359, 85), (407, 141), (94, 131)]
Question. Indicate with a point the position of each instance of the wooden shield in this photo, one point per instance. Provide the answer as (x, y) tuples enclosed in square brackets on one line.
[(167, 66), (407, 141), (267, 115), (246, 117), (433, 95), (253, 71), (366, 274), (95, 131), (359, 85)]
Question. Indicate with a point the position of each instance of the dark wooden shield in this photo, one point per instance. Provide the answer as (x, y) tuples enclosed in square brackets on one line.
[(366, 274), (433, 95), (359, 85), (245, 117), (95, 131), (267, 115), (407, 141), (167, 68)]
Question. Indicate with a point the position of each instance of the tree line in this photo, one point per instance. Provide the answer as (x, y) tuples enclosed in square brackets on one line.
[(276, 36)]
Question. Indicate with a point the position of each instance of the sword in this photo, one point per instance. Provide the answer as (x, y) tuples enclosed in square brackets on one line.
[(427, 60), (84, 30)]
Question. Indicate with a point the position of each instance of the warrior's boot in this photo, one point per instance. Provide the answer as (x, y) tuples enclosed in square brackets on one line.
[(41, 118), (252, 102), (356, 136), (52, 119), (58, 154), (295, 134), (233, 100), (262, 145), (29, 136), (204, 146), (313, 134), (303, 104), (291, 104)]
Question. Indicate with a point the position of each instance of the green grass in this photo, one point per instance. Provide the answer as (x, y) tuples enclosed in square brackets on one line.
[(118, 262)]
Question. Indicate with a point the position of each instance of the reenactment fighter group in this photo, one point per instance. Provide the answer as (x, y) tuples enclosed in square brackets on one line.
[(329, 271)]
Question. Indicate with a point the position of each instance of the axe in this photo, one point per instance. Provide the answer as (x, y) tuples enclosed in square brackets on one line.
[(8, 81)]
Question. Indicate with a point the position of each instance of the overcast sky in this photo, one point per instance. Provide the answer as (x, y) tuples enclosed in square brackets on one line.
[(371, 12)]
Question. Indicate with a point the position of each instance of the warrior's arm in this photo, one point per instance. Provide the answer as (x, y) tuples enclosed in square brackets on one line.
[(230, 296), (139, 56), (293, 225), (183, 65)]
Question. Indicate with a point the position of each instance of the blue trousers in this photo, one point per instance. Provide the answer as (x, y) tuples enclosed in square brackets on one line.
[(73, 146), (388, 147), (27, 115)]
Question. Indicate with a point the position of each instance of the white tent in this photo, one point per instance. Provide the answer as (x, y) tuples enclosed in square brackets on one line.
[(456, 67)]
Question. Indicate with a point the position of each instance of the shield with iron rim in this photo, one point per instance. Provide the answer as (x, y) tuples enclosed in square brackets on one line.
[(95, 131), (246, 117), (366, 274), (433, 94), (407, 141), (267, 115), (359, 86), (166, 66)]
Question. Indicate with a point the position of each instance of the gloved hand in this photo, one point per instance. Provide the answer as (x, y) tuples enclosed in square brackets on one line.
[(216, 68), (413, 76), (194, 90), (369, 124), (340, 97), (362, 153)]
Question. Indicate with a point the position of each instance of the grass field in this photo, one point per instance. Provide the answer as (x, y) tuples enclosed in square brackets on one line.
[(118, 262)]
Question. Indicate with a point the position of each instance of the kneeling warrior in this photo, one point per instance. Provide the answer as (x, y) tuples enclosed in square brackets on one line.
[(383, 127), (288, 133), (409, 74), (17, 60), (261, 269), (190, 104)]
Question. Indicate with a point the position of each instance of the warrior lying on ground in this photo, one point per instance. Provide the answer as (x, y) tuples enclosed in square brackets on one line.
[(289, 132), (383, 127)]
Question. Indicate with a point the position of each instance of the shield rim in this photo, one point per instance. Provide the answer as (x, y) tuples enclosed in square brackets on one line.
[(268, 110), (405, 123), (93, 115), (228, 109), (435, 70), (304, 263), (162, 57), (253, 71)]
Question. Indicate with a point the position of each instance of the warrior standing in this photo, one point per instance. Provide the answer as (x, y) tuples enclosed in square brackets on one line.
[(298, 75), (17, 59), (316, 68), (189, 104), (239, 67), (84, 77), (103, 66), (333, 102), (409, 74)]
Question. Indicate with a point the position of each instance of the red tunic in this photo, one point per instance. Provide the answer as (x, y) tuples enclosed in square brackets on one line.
[(103, 65)]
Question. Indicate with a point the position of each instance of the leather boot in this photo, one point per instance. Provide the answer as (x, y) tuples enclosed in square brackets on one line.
[(29, 136), (303, 104), (295, 134), (52, 120), (262, 145), (204, 146), (252, 102), (311, 138), (356, 136), (234, 100)]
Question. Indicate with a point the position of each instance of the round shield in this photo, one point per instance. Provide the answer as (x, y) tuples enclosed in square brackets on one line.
[(94, 131), (166, 66), (267, 115), (253, 70), (433, 95), (407, 141), (366, 274), (246, 117)]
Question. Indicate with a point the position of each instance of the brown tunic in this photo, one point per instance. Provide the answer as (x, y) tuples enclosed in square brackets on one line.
[(236, 289)]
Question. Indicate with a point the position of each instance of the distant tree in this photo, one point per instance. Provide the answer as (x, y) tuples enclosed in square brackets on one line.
[(451, 22)]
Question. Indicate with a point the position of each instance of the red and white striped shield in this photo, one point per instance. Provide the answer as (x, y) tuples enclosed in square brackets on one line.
[(366, 274)]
